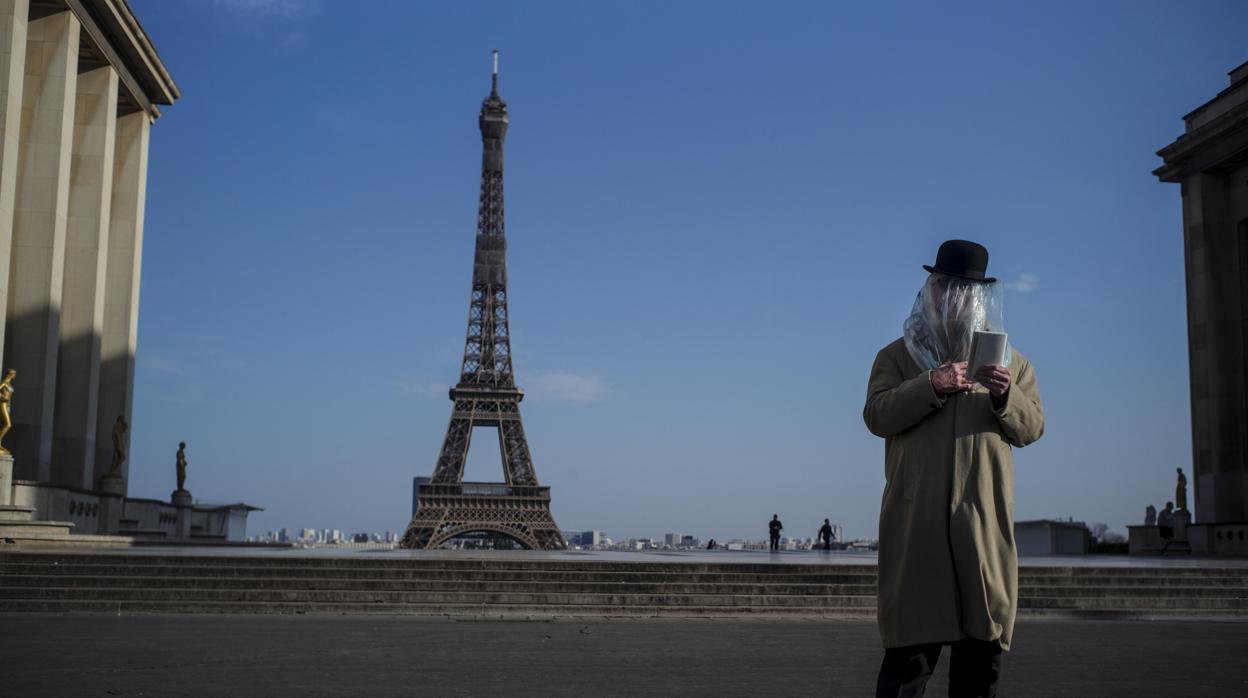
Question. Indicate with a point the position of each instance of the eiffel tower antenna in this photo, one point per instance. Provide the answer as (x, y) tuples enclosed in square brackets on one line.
[(486, 396)]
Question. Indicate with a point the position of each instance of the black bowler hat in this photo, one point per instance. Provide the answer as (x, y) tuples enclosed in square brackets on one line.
[(963, 259)]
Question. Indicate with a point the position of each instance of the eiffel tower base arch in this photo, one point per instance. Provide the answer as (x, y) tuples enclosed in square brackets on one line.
[(445, 511)]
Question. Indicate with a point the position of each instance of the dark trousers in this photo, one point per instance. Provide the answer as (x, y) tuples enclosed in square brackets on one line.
[(974, 668), (775, 541)]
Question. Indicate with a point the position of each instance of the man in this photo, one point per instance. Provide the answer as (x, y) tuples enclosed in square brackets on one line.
[(774, 527), (1165, 525), (948, 569), (825, 535)]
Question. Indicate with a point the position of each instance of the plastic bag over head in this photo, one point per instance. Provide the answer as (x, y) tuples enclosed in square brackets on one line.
[(946, 314)]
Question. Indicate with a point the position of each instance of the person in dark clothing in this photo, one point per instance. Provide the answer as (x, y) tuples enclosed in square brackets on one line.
[(774, 527), (974, 669), (825, 535), (1165, 525)]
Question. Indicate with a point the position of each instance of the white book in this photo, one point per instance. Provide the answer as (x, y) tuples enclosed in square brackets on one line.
[(986, 348)]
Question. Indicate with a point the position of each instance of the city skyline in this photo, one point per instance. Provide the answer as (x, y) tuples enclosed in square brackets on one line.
[(710, 239)]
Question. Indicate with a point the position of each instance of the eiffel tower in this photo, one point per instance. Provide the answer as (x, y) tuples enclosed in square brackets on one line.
[(486, 395)]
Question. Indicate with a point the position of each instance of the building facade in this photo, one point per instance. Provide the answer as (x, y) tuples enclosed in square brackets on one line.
[(1209, 161), (80, 87), (1048, 537)]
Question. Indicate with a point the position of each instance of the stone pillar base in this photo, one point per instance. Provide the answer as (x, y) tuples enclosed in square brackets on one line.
[(1182, 519), (112, 486), (6, 480), (182, 500), (10, 513), (112, 501)]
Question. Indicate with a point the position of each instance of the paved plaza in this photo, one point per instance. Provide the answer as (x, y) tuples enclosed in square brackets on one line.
[(214, 655)]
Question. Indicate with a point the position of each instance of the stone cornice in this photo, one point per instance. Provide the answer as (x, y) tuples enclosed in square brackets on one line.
[(1219, 142), (114, 29)]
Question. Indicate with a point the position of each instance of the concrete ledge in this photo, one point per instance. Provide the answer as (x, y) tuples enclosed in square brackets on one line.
[(53, 541)]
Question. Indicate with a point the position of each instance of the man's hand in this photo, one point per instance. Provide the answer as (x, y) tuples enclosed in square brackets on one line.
[(996, 378), (950, 378)]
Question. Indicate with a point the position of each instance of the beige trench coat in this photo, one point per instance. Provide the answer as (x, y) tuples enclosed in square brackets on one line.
[(948, 566)]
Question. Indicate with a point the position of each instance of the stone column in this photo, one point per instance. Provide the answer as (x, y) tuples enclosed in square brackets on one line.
[(1216, 347), (13, 14), (82, 296), (37, 262), (121, 287), (82, 301)]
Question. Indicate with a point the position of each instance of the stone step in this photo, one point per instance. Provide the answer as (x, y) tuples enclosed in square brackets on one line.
[(357, 567), (7, 559), (434, 609), (290, 584), (449, 598), (1159, 580), (677, 586), (478, 611), (440, 585), (1138, 603), (192, 597), (13, 587), (1123, 591), (362, 561), (619, 574)]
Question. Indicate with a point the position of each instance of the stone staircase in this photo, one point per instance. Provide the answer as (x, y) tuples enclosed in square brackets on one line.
[(121, 582), (18, 525)]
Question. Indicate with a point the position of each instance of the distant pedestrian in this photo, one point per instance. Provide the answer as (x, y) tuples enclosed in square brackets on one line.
[(1150, 515), (1165, 525), (774, 527), (825, 535), (711, 545)]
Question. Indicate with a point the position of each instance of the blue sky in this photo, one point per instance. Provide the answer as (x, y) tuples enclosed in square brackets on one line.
[(717, 214)]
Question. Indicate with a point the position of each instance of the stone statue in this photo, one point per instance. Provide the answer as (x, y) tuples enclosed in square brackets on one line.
[(6, 398), (182, 466), (1180, 492), (1150, 515), (119, 445)]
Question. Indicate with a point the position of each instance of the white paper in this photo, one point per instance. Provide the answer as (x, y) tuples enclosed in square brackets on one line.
[(986, 348)]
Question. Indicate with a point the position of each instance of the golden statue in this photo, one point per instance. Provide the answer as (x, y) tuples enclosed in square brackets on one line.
[(182, 466), (119, 445), (6, 398)]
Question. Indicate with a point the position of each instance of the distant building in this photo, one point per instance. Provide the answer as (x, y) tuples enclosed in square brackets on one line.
[(1046, 537), (690, 542), (584, 539), (671, 539)]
